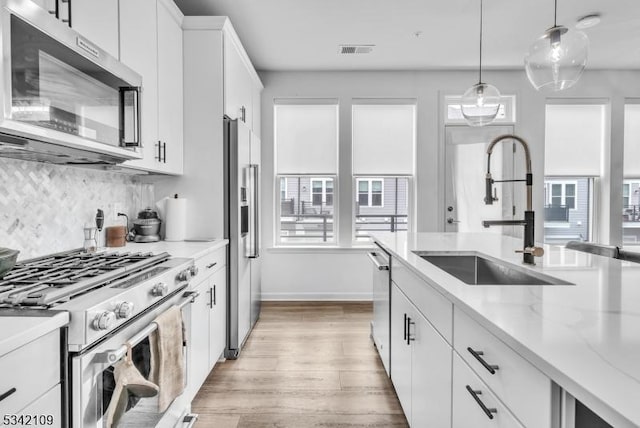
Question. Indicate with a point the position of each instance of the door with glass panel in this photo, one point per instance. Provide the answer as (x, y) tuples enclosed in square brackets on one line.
[(465, 170)]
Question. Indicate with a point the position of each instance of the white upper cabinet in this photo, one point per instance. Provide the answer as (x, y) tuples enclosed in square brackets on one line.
[(153, 48), (136, 37), (97, 20), (170, 93), (242, 87)]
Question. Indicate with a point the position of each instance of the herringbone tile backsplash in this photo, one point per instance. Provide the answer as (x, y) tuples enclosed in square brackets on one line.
[(44, 207)]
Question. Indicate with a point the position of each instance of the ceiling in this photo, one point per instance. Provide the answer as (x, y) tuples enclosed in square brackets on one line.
[(305, 34)]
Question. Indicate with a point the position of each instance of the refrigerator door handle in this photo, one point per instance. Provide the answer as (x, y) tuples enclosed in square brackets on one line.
[(254, 236)]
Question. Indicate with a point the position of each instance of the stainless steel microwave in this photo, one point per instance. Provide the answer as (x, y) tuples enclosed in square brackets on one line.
[(63, 99)]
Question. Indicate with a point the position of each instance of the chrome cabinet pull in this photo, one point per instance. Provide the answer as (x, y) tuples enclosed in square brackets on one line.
[(214, 294), (409, 337), (377, 264), (491, 368), (211, 265), (487, 411), (405, 328), (164, 152), (7, 394)]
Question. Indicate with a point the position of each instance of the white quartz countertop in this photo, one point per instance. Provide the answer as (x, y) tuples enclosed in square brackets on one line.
[(585, 337), (188, 249), (19, 327)]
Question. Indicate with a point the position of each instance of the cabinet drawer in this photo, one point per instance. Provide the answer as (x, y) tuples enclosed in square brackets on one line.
[(46, 408), (29, 371), (467, 412), (211, 262), (522, 387), (433, 305)]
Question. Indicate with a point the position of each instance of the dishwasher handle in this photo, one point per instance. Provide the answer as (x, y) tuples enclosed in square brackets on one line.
[(374, 259)]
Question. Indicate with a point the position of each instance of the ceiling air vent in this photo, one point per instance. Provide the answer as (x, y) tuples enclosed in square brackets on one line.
[(356, 49)]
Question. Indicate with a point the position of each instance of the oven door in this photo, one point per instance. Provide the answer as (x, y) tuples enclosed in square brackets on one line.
[(92, 381), (60, 88)]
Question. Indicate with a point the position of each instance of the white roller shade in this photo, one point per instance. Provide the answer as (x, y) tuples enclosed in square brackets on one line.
[(574, 138), (632, 141), (383, 139), (306, 138)]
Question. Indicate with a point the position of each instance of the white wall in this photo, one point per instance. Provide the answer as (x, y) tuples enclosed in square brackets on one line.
[(334, 271)]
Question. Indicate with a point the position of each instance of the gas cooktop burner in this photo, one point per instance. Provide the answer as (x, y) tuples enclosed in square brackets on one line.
[(50, 280)]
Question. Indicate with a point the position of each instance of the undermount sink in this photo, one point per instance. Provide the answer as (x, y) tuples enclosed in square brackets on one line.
[(476, 269)]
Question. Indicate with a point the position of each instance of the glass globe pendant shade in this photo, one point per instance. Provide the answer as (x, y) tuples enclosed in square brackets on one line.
[(480, 104), (557, 59)]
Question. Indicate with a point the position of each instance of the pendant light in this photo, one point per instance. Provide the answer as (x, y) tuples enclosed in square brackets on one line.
[(557, 59), (481, 102)]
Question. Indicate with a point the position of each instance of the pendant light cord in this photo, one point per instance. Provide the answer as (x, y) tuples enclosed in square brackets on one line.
[(480, 70), (555, 13)]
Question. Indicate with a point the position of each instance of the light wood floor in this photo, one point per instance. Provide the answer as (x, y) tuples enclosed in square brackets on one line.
[(304, 365)]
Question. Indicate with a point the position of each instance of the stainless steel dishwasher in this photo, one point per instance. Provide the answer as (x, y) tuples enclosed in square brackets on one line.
[(380, 325)]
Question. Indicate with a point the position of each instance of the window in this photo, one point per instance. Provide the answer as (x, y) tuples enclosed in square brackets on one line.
[(561, 194), (322, 192), (306, 149), (370, 193), (631, 173), (625, 195), (453, 110), (574, 142), (384, 134)]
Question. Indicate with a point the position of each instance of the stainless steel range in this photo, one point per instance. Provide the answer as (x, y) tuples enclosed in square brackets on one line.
[(112, 299)]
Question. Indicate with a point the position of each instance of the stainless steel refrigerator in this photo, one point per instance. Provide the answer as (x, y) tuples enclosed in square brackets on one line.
[(242, 228)]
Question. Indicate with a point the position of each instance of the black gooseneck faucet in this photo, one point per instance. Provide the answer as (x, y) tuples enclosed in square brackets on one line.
[(529, 250)]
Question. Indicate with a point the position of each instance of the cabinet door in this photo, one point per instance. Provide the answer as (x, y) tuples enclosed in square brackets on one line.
[(170, 92), (482, 411), (430, 376), (199, 338), (238, 85), (97, 20), (218, 318), (401, 310), (138, 41)]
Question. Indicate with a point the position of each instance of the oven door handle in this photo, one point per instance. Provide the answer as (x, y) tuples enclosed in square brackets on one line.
[(110, 357)]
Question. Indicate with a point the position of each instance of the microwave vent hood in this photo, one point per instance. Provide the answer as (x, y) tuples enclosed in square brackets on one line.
[(32, 150), (63, 99)]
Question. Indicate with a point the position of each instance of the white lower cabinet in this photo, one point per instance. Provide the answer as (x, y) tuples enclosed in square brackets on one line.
[(474, 405), (199, 338), (519, 385), (420, 365), (207, 321)]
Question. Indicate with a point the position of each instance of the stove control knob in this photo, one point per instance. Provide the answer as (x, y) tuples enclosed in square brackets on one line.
[(124, 309), (185, 275), (104, 320), (193, 270), (160, 289)]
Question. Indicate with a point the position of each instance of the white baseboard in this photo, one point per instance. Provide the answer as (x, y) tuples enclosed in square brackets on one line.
[(358, 297)]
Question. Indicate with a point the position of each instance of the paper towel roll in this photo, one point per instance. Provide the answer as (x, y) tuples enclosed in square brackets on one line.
[(175, 219)]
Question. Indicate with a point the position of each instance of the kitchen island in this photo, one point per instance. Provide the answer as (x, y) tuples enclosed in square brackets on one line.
[(584, 337)]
